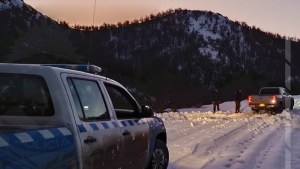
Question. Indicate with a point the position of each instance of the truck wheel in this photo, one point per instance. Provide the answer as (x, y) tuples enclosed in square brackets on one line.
[(292, 105), (160, 156), (255, 111), (280, 108)]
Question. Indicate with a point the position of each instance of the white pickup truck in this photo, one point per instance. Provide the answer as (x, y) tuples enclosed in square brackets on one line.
[(58, 118), (273, 99)]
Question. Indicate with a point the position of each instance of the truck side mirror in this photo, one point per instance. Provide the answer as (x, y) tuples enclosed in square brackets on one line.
[(147, 111)]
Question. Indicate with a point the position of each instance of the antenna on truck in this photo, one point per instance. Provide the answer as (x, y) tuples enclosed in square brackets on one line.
[(90, 48)]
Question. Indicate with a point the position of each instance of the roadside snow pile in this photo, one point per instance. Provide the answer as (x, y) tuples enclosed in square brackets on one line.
[(284, 116), (225, 107), (204, 114), (173, 116), (197, 138), (202, 117)]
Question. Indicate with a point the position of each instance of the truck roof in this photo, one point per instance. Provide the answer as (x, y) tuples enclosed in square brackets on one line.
[(24, 68), (272, 88)]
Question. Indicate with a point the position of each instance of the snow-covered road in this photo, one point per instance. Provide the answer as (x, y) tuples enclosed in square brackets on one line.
[(199, 139)]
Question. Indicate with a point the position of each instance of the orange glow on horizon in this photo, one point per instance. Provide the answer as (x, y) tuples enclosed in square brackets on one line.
[(273, 16)]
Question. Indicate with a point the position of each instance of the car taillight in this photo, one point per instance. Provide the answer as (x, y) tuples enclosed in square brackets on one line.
[(250, 99), (274, 99)]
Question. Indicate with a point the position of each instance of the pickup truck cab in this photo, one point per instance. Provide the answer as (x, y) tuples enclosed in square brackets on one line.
[(54, 117), (274, 99)]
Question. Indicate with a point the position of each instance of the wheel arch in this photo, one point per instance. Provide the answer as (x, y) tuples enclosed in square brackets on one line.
[(162, 136)]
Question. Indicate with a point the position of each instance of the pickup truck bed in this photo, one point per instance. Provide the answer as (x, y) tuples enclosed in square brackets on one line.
[(273, 99)]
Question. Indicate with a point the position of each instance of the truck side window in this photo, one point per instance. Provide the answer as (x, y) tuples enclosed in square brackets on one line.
[(125, 107), (24, 95), (88, 99)]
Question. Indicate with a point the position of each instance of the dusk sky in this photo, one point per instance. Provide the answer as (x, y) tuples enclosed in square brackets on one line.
[(276, 16)]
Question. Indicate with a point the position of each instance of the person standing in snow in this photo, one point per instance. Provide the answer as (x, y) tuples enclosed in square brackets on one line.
[(238, 99), (216, 100)]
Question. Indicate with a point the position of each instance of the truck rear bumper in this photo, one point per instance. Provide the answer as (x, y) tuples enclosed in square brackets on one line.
[(263, 106)]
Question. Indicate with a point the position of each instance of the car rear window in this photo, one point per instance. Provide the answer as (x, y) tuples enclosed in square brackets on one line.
[(24, 95), (270, 91)]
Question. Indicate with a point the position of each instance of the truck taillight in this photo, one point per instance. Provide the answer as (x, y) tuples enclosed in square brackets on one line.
[(250, 99), (274, 99)]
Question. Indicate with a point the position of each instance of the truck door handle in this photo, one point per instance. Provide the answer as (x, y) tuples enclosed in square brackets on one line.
[(125, 133), (90, 139)]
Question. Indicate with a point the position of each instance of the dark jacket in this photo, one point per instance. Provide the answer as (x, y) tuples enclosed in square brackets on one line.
[(238, 96), (215, 96)]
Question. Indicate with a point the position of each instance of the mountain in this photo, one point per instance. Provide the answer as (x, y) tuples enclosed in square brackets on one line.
[(29, 36), (188, 53), (177, 57)]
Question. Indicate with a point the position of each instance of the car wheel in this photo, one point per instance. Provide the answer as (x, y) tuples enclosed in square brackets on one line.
[(160, 156)]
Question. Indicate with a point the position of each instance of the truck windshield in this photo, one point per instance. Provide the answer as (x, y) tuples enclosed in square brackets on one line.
[(269, 91)]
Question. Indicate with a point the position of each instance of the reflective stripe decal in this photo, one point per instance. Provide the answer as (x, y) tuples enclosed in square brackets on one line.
[(104, 125), (123, 123), (94, 126), (115, 124), (64, 131), (81, 128), (24, 137), (46, 134), (3, 143), (130, 122), (37, 148), (29, 136)]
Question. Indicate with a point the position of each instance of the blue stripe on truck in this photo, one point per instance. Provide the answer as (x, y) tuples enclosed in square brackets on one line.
[(81, 128), (39, 148), (109, 125)]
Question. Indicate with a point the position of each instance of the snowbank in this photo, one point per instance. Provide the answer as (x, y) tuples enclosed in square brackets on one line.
[(197, 138)]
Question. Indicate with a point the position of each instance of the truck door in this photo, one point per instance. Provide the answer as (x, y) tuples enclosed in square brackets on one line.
[(135, 130), (100, 136)]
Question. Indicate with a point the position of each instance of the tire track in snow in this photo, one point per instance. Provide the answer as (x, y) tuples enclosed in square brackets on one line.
[(200, 153), (196, 133), (257, 145), (253, 148)]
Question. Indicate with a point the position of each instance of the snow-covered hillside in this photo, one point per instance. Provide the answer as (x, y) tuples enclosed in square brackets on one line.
[(199, 139), (8, 4), (31, 13)]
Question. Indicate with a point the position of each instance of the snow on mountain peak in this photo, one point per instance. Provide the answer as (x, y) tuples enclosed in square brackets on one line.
[(27, 10), (201, 27), (209, 25), (9, 4)]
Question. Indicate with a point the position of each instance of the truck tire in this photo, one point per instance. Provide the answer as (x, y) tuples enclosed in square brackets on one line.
[(292, 105), (254, 111), (274, 112), (280, 108), (160, 156)]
